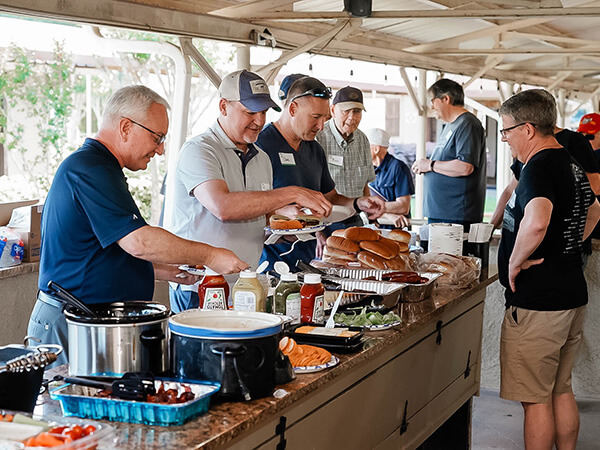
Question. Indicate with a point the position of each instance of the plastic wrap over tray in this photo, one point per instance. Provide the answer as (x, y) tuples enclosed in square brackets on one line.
[(81, 401)]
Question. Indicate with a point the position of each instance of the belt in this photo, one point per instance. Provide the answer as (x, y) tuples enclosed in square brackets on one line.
[(49, 300)]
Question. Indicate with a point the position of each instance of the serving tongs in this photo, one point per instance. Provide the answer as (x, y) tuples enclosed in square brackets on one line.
[(59, 291), (132, 386)]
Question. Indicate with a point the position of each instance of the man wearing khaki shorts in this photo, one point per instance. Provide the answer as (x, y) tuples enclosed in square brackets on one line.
[(546, 219)]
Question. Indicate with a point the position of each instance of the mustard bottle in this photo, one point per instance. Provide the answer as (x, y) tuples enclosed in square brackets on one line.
[(248, 293)]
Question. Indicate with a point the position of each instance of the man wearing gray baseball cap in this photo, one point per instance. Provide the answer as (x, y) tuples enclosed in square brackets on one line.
[(224, 183)]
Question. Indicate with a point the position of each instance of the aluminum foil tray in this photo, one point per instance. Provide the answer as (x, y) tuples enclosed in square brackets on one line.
[(391, 292), (80, 401), (411, 292)]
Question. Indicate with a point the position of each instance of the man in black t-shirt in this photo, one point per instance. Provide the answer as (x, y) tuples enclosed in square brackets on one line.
[(550, 212)]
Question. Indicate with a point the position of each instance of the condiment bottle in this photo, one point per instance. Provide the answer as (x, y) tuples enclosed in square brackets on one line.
[(312, 295), (248, 293), (287, 297), (213, 291)]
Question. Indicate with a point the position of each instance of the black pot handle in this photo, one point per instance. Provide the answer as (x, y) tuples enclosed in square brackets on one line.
[(232, 351), (151, 339)]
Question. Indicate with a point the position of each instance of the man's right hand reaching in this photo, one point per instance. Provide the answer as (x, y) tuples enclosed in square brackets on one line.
[(313, 200), (224, 261)]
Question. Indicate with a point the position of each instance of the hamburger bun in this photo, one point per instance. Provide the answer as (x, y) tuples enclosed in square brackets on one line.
[(404, 247), (399, 235), (358, 234), (342, 244), (279, 222)]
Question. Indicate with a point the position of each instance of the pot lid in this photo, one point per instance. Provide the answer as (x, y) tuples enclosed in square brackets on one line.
[(137, 311), (222, 324)]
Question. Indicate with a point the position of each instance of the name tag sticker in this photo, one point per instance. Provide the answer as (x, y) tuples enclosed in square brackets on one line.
[(448, 134), (335, 160), (265, 187), (287, 159)]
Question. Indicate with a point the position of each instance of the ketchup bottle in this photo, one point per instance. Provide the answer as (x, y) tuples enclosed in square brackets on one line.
[(312, 295), (213, 291)]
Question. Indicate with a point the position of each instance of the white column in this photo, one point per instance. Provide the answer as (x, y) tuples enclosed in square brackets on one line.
[(88, 104), (421, 140), (243, 57)]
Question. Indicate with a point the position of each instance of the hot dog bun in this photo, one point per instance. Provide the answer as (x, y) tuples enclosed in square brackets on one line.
[(371, 260), (279, 222), (329, 252), (394, 246), (379, 249), (361, 234), (339, 233), (399, 235), (342, 244)]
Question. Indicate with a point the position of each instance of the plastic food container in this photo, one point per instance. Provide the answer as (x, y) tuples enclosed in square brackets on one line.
[(80, 401), (338, 344), (103, 438)]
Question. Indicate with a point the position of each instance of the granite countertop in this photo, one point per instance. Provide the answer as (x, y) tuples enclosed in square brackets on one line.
[(227, 420)]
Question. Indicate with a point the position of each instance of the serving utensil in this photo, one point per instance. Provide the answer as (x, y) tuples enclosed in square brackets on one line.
[(331, 321), (130, 387), (69, 298)]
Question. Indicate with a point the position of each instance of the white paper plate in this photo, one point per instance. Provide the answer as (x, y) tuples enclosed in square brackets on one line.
[(339, 213), (334, 361), (294, 231), (192, 270)]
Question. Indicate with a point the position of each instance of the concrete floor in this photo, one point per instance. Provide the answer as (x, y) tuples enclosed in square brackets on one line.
[(498, 423)]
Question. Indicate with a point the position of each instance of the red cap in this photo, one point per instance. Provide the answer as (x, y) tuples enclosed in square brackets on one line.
[(589, 124)]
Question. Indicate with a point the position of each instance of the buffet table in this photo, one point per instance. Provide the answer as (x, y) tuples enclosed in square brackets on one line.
[(395, 393)]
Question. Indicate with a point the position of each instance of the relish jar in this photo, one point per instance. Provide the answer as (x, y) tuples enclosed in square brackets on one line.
[(287, 297)]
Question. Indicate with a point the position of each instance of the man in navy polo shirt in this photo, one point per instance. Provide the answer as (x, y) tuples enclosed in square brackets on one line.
[(299, 160), (393, 180), (95, 242)]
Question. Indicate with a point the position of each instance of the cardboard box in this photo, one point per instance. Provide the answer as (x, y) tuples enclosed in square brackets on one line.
[(30, 234)]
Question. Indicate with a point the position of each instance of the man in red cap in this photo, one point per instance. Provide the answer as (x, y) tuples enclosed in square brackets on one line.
[(590, 127)]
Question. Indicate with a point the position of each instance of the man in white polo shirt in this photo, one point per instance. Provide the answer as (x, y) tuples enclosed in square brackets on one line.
[(224, 183)]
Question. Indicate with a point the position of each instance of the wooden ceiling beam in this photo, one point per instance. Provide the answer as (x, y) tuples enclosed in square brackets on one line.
[(491, 13), (242, 10)]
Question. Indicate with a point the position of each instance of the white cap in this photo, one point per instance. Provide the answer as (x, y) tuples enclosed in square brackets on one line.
[(289, 277), (247, 274), (377, 136), (312, 278)]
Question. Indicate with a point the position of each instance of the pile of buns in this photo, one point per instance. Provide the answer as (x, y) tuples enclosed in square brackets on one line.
[(365, 247), (280, 222)]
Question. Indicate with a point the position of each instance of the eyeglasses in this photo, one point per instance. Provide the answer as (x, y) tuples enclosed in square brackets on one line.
[(324, 92), (160, 138), (439, 98), (590, 137), (503, 131)]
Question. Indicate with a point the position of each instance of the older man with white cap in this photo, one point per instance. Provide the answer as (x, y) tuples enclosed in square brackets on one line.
[(347, 148), (224, 183), (393, 179)]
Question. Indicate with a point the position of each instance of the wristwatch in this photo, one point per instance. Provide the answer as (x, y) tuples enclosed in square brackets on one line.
[(431, 165)]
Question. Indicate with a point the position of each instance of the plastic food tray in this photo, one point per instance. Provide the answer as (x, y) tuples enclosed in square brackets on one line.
[(80, 401), (104, 438)]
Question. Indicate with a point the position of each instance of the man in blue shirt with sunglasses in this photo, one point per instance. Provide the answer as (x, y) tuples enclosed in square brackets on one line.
[(299, 160)]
